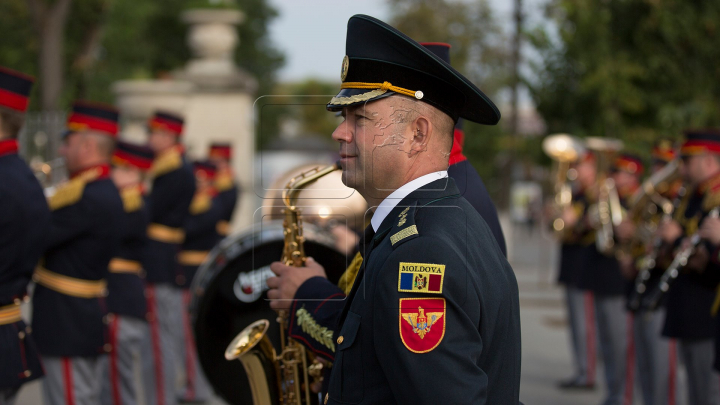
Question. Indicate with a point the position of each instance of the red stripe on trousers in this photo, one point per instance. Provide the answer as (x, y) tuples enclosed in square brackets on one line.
[(671, 370), (630, 362), (114, 374), (189, 348), (68, 379), (157, 352), (590, 338)]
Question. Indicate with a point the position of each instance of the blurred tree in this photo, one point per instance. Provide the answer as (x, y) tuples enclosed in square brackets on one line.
[(480, 51), (631, 69), (83, 46)]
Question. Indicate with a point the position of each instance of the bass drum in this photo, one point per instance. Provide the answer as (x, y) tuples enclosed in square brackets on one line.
[(229, 293)]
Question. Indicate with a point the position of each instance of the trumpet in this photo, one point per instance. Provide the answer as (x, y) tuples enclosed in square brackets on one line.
[(565, 150), (607, 212), (283, 378)]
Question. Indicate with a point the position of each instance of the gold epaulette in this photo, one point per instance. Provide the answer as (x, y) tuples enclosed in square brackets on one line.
[(711, 199), (223, 181), (320, 333), (348, 278), (166, 162), (201, 202), (132, 198), (72, 191)]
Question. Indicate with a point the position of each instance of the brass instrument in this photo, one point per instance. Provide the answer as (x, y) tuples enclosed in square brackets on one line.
[(49, 173), (644, 204), (607, 212), (652, 299), (284, 378), (565, 150)]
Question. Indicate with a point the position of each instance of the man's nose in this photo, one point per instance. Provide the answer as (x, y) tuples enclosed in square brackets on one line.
[(343, 133)]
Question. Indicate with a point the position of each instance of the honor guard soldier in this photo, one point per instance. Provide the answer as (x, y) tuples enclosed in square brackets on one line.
[(576, 237), (689, 299), (69, 314), (206, 210), (655, 355), (173, 187), (220, 155), (434, 291), (22, 238), (471, 187), (126, 284)]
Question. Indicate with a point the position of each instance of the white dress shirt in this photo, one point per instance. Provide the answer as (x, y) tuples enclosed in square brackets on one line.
[(393, 199)]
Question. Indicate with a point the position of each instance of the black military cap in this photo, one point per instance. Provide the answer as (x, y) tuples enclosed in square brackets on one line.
[(382, 61)]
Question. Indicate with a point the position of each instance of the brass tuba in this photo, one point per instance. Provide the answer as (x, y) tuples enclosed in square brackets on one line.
[(565, 150), (607, 212), (284, 378)]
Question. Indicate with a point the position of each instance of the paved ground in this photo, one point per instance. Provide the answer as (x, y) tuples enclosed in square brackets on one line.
[(545, 340)]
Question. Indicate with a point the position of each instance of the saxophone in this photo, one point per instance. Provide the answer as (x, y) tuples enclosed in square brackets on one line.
[(283, 378)]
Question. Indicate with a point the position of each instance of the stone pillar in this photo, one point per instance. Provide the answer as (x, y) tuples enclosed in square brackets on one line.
[(221, 106), (137, 100)]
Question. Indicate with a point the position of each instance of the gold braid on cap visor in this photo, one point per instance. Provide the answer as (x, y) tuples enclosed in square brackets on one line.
[(377, 90)]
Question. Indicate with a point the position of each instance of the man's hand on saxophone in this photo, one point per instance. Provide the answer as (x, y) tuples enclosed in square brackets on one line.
[(289, 278)]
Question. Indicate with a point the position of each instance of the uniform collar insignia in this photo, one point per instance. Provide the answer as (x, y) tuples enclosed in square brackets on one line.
[(167, 161), (8, 147)]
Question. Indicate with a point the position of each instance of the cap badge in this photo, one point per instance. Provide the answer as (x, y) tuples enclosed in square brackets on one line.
[(345, 66)]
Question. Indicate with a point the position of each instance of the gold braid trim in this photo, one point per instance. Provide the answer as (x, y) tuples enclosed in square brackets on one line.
[(348, 278), (711, 200), (72, 191), (320, 333), (132, 198), (201, 202), (384, 86), (357, 98), (166, 162), (223, 181)]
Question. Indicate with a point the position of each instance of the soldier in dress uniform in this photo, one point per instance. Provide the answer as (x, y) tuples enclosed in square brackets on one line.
[(22, 239), (220, 154), (602, 276), (690, 298), (655, 356), (126, 285), (201, 235), (69, 312), (434, 291), (471, 187), (577, 236), (173, 187)]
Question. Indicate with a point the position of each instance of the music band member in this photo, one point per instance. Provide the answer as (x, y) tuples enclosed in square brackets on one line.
[(690, 297), (69, 315), (228, 192), (434, 291), (22, 238)]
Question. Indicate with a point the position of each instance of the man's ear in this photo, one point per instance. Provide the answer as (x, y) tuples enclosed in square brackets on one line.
[(422, 129)]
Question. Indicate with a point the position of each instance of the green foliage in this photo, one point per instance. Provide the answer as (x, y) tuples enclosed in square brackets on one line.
[(636, 70), (479, 51), (110, 40)]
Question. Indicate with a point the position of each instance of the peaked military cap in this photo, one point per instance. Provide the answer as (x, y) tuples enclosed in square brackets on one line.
[(629, 163), (14, 89), (168, 122), (698, 141), (127, 153), (663, 152), (87, 115), (220, 150), (204, 169), (381, 61)]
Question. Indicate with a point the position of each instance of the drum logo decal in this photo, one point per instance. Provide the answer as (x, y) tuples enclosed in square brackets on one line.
[(250, 286)]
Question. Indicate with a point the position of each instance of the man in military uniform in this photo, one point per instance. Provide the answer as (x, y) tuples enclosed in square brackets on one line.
[(126, 285), (22, 238), (434, 291), (576, 237), (220, 154), (690, 298), (201, 235), (84, 234), (471, 187), (602, 276), (173, 188), (655, 356)]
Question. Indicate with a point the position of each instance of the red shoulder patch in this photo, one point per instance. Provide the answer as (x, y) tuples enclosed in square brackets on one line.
[(422, 323)]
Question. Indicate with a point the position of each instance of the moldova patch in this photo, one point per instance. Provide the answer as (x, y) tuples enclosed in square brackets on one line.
[(421, 277), (422, 323)]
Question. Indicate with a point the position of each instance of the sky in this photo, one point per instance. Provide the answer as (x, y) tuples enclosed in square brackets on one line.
[(311, 33)]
